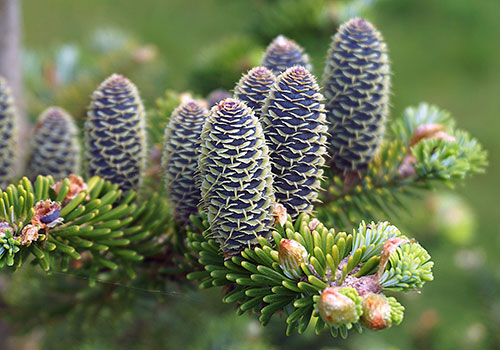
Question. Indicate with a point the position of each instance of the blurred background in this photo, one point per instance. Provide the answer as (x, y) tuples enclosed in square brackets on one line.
[(444, 52)]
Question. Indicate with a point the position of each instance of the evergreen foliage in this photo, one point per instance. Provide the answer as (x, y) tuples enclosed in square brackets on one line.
[(255, 231), (254, 280)]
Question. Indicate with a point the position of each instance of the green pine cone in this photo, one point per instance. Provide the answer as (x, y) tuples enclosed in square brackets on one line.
[(295, 129), (115, 133), (7, 134), (356, 84), (254, 87), (236, 179), (180, 158), (283, 53), (54, 148)]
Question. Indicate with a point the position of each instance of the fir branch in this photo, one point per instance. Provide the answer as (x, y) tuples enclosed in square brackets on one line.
[(401, 169), (258, 280), (93, 222)]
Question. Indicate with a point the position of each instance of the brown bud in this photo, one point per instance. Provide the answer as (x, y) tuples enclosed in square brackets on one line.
[(46, 214), (390, 247), (29, 234), (279, 212), (407, 169), (4, 226), (313, 224), (76, 185), (337, 309), (291, 254), (430, 131), (376, 312)]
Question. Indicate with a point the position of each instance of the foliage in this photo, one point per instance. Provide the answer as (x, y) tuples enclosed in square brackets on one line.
[(236, 184), (400, 170), (256, 281)]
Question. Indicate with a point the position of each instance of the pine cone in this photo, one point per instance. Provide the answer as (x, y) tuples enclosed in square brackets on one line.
[(115, 133), (7, 134), (356, 84), (254, 87), (295, 129), (180, 158), (283, 53), (235, 173), (54, 148)]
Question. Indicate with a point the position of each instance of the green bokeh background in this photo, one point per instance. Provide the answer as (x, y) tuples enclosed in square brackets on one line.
[(444, 52)]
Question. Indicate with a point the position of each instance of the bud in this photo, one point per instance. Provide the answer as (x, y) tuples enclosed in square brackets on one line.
[(29, 234), (280, 214), (46, 214), (76, 185), (290, 255), (430, 131), (376, 312), (4, 226), (388, 249), (339, 306)]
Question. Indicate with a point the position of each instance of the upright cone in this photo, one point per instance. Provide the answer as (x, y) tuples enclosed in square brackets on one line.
[(7, 134), (295, 127), (54, 148), (254, 87), (283, 53), (235, 173), (180, 158), (115, 134), (356, 84)]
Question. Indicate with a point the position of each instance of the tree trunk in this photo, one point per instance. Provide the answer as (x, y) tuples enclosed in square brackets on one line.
[(10, 65)]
